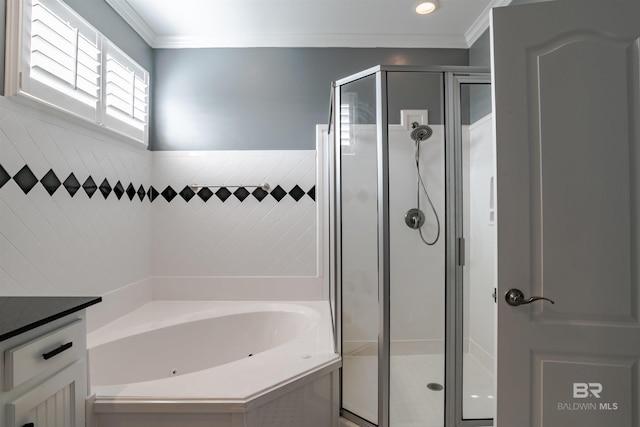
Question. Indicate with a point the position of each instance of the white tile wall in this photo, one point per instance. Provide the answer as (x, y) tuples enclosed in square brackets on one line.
[(233, 238), (417, 270), (52, 245), (479, 271)]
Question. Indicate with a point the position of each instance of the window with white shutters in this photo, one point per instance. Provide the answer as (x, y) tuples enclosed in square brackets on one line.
[(56, 57), (126, 92), (63, 65)]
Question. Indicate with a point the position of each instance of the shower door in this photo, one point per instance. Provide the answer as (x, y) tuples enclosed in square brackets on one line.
[(417, 244), (398, 155), (392, 270), (476, 282), (357, 166)]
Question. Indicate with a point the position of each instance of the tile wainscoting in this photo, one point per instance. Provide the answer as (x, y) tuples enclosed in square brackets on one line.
[(85, 212), (242, 236), (62, 239)]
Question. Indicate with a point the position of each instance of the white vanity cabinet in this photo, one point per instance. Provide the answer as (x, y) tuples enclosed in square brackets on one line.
[(44, 375)]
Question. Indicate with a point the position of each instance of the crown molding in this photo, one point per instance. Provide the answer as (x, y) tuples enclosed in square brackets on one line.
[(313, 40), (134, 20), (480, 25), (465, 41)]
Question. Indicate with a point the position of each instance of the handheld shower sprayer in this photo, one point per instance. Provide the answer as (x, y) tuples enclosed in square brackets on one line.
[(415, 218), (420, 132)]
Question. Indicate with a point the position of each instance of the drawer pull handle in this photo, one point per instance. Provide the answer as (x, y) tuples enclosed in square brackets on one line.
[(29, 425), (57, 351)]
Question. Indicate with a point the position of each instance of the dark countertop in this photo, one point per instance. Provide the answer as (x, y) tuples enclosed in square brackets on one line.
[(21, 314)]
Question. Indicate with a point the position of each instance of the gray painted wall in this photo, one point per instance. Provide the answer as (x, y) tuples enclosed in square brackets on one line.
[(105, 20), (259, 98), (475, 102), (415, 91), (480, 51)]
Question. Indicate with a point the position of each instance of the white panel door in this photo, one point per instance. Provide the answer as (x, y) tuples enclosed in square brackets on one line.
[(567, 110)]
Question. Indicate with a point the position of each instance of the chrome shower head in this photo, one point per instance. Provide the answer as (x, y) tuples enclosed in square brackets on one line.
[(420, 132)]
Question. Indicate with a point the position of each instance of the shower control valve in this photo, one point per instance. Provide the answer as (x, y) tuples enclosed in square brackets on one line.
[(414, 218)]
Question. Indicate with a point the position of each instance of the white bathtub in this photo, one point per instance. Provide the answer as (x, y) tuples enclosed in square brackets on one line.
[(231, 364)]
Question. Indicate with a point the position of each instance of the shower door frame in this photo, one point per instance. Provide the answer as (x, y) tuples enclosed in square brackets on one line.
[(455, 294), (453, 77)]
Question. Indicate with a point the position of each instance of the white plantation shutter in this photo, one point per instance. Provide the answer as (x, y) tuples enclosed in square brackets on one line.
[(56, 57), (126, 93), (63, 66)]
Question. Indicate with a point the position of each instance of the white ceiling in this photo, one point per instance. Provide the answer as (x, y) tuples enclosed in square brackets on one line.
[(305, 23)]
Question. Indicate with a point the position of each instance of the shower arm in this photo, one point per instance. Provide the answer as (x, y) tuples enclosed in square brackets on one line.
[(195, 187)]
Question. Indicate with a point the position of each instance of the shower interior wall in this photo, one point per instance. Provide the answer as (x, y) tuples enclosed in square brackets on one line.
[(479, 223), (417, 271)]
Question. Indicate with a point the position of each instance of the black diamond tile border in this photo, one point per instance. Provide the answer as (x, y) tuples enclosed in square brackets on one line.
[(131, 192), (223, 193), (141, 193), (169, 193), (105, 188), (89, 187), (26, 180), (278, 193), (259, 193), (71, 184), (152, 193), (187, 193), (205, 194), (50, 182), (118, 190), (241, 193), (297, 193), (4, 177)]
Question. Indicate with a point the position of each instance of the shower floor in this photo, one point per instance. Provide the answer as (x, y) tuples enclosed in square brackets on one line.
[(412, 404)]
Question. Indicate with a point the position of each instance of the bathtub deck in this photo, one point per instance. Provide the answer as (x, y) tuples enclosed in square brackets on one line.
[(230, 388)]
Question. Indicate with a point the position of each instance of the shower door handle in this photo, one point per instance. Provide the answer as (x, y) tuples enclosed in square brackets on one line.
[(515, 297)]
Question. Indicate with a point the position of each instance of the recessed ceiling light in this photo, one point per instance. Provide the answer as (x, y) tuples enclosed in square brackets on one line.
[(426, 7)]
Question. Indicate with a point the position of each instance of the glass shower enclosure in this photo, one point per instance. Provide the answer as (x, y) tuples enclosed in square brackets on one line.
[(415, 246)]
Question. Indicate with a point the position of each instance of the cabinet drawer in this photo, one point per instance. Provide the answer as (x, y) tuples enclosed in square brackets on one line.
[(52, 351)]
